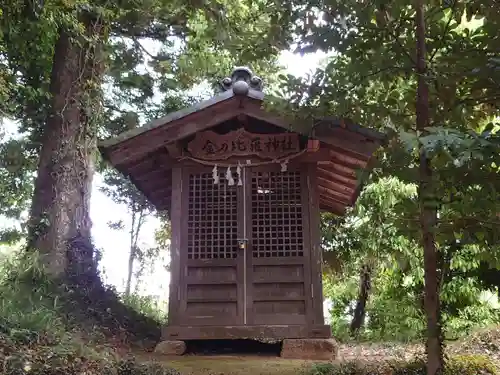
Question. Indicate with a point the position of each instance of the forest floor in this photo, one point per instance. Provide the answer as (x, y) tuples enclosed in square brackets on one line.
[(233, 365), (485, 342)]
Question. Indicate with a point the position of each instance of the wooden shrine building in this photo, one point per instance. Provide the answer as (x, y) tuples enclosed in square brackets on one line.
[(243, 190)]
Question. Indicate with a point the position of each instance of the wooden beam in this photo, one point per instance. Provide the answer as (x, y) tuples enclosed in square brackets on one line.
[(161, 194), (366, 172), (174, 150), (153, 160), (356, 144), (342, 192), (135, 148), (155, 174), (347, 173), (322, 154), (348, 183), (150, 187), (327, 154), (334, 195), (343, 159), (347, 140)]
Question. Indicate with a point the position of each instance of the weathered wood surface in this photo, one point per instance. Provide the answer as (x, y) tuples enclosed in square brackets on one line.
[(209, 145)]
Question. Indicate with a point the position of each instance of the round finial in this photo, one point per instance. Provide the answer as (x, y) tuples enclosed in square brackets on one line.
[(241, 74), (240, 88), (226, 83), (256, 83)]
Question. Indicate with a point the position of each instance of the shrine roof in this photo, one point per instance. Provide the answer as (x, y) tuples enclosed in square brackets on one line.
[(146, 153), (224, 96), (165, 120)]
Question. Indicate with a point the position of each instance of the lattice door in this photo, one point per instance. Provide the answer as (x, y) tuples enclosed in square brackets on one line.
[(280, 274), (212, 218), (269, 282), (212, 286), (277, 229)]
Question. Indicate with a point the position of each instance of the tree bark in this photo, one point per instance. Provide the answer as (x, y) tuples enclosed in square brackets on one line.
[(61, 201), (428, 213), (364, 293)]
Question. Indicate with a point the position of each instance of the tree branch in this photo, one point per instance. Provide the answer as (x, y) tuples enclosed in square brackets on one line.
[(476, 101), (141, 47), (465, 220), (403, 49), (441, 44), (377, 72), (115, 108)]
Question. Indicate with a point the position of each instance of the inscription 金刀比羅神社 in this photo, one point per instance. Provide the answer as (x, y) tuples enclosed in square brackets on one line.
[(212, 146)]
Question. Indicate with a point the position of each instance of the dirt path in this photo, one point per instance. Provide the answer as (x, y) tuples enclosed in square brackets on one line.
[(483, 343), (234, 365), (270, 365)]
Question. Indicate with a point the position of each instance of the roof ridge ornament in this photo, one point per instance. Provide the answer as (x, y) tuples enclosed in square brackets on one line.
[(242, 79)]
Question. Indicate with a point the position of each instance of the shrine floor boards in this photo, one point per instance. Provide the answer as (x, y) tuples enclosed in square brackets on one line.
[(234, 365)]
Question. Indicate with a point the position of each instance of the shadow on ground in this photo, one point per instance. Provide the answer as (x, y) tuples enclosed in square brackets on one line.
[(228, 357)]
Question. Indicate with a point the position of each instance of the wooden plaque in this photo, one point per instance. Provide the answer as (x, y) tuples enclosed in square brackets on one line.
[(209, 145)]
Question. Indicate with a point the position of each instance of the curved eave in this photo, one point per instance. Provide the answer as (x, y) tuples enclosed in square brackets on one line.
[(336, 178), (142, 155)]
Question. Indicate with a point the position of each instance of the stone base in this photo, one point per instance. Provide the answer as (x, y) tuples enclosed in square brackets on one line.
[(316, 349), (171, 348)]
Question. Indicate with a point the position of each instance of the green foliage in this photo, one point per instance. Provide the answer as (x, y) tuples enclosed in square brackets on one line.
[(16, 185), (70, 360), (148, 306), (459, 365), (36, 336), (28, 309), (380, 230), (155, 52)]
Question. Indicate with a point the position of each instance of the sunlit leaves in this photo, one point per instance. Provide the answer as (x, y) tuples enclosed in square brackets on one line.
[(16, 178), (383, 229)]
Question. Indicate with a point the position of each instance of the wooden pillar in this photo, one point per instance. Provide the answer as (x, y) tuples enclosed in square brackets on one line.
[(315, 239), (175, 245)]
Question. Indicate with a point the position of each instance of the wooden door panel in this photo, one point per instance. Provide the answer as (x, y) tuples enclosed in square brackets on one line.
[(269, 282), (211, 291), (278, 277)]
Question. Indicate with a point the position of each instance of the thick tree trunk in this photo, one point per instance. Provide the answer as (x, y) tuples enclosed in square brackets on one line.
[(61, 201), (428, 213), (358, 318)]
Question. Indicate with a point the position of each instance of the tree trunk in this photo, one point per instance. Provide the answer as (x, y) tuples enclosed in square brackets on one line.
[(428, 213), (130, 270), (138, 216), (131, 256), (61, 200), (364, 292)]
